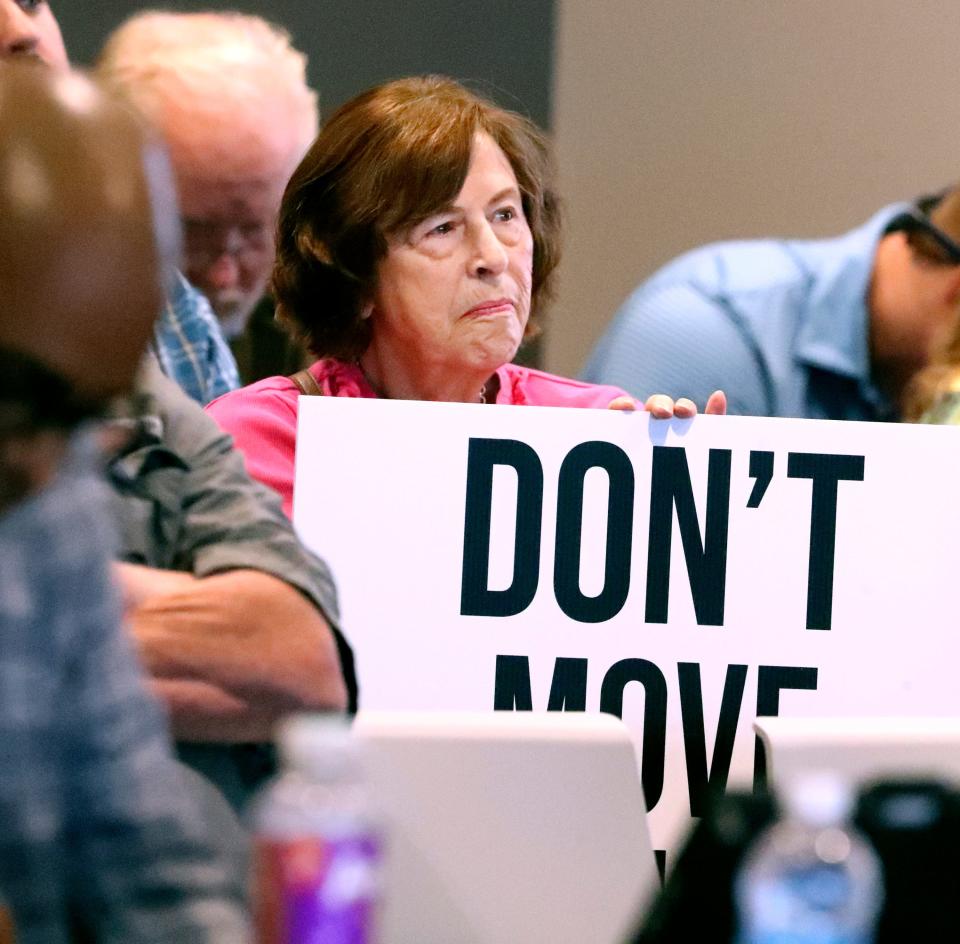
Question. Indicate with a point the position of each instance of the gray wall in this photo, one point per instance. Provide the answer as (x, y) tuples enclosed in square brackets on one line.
[(690, 120), (503, 46)]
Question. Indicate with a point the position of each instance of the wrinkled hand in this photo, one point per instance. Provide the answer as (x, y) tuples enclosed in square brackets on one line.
[(662, 407)]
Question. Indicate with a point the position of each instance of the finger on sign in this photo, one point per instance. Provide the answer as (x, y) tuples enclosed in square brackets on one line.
[(717, 404), (660, 406)]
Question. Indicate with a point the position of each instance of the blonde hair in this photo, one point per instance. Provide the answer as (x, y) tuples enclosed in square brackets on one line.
[(941, 376), (226, 90)]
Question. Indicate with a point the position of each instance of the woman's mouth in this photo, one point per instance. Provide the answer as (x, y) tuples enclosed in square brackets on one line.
[(495, 306)]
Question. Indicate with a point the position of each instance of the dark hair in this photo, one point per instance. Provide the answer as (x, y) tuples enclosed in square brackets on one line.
[(384, 161), (35, 401), (35, 398)]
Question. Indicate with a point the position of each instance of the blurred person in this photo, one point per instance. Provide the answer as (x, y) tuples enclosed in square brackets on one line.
[(228, 93), (235, 621), (187, 339), (416, 246), (101, 833), (823, 329)]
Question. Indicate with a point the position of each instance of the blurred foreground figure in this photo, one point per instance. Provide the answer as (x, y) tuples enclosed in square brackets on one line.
[(99, 831), (234, 621), (228, 94), (187, 340)]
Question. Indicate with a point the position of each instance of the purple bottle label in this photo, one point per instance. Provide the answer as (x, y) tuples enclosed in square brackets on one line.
[(316, 891)]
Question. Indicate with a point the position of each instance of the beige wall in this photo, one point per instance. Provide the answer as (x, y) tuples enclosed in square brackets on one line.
[(683, 121)]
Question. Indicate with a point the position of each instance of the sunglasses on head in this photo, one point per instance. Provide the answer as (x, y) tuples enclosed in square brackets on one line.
[(925, 238)]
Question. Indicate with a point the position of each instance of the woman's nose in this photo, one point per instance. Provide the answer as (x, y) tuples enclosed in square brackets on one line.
[(490, 255)]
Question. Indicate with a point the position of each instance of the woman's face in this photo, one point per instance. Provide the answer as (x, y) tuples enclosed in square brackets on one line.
[(455, 289)]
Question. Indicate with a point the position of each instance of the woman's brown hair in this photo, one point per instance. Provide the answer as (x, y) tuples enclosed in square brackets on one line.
[(383, 162)]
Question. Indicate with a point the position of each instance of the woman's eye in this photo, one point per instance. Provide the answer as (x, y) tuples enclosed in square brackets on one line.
[(441, 229), (505, 214)]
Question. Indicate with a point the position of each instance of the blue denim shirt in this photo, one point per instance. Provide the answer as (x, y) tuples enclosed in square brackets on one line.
[(780, 325)]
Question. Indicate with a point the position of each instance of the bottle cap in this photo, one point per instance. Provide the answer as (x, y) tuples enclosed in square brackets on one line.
[(323, 746), (820, 798)]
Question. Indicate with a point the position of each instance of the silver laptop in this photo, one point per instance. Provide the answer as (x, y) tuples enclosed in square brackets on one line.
[(508, 827), (862, 749)]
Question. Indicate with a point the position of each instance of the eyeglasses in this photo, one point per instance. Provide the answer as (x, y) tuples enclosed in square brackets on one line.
[(925, 238), (205, 241)]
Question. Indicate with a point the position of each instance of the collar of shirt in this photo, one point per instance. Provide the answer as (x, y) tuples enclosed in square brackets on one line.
[(834, 331)]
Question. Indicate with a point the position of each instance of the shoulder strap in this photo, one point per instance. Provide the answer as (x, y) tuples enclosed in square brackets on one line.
[(306, 383)]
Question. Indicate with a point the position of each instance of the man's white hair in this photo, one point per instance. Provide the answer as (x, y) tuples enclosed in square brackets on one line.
[(226, 90)]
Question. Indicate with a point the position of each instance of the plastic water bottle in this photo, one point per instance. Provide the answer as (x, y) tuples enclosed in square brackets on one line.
[(810, 878), (317, 844)]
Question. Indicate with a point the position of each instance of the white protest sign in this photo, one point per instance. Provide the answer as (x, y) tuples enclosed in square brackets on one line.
[(687, 575)]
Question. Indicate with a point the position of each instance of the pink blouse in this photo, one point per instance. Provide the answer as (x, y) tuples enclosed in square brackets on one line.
[(262, 418)]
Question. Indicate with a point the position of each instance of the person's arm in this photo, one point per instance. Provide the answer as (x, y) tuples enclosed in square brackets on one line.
[(232, 652), (239, 627), (677, 341)]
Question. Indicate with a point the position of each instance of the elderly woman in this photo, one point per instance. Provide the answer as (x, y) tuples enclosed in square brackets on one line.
[(416, 247)]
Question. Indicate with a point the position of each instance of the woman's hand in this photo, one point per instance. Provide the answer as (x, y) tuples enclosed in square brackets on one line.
[(662, 407)]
